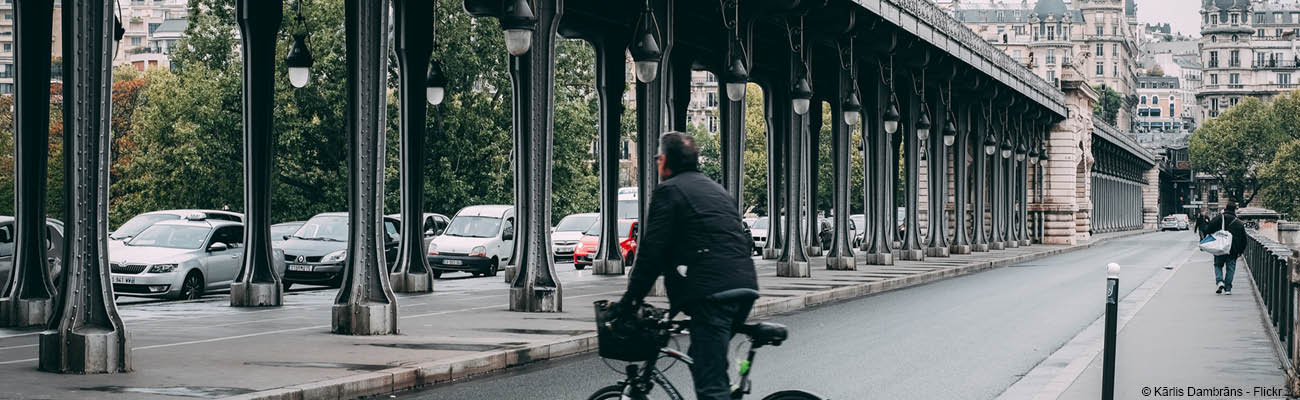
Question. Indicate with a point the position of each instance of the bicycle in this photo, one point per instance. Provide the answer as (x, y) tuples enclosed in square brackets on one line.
[(651, 328)]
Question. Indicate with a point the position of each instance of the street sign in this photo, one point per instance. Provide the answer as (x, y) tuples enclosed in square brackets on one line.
[(1191, 206)]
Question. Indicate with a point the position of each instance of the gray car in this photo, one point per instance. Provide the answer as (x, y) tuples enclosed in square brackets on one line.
[(53, 247), (315, 254), (434, 224), (179, 259)]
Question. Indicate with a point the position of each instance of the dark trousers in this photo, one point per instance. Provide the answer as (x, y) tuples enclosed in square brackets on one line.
[(712, 326)]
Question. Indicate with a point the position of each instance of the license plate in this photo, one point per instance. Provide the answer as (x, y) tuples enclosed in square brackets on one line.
[(300, 268), (123, 279), (564, 249), (452, 262)]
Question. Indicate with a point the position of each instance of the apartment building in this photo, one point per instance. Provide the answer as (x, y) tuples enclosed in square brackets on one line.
[(153, 28), (1248, 48)]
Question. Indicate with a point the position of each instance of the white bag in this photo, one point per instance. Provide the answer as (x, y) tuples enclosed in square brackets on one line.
[(1219, 243)]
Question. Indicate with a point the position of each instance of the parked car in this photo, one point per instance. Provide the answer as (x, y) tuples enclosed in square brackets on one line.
[(434, 224), (857, 229), (1172, 222), (566, 235), (628, 205), (53, 248), (138, 223), (315, 253), (586, 251), (281, 231), (749, 222), (179, 259), (480, 240), (627, 244)]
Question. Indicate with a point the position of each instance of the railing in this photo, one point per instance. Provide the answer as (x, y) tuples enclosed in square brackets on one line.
[(1270, 269), (1260, 87), (1275, 64)]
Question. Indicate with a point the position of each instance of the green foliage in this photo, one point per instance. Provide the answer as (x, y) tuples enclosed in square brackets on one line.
[(1108, 104), (1283, 176), (1236, 145), (755, 158)]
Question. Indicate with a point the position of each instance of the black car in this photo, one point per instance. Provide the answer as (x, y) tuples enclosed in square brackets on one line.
[(316, 252), (53, 247)]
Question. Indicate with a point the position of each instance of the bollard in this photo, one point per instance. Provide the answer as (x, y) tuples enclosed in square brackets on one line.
[(1112, 311)]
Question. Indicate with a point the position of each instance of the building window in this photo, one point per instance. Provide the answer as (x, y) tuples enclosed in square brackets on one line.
[(9, 17), (1101, 29), (1171, 108), (1234, 18), (1051, 57), (6, 88), (1214, 79), (1214, 59), (1101, 68), (1114, 69), (1143, 100), (1155, 100), (1114, 49), (1101, 50), (1051, 33), (135, 40), (1234, 79), (1234, 58), (1051, 76), (8, 47), (713, 99), (1284, 79), (713, 124), (1020, 29)]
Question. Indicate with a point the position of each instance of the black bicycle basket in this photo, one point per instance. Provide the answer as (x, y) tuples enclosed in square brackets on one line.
[(627, 340)]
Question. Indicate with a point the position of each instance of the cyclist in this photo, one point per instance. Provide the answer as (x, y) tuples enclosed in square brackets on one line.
[(694, 237)]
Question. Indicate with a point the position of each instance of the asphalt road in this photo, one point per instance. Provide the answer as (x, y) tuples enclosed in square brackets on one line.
[(964, 338)]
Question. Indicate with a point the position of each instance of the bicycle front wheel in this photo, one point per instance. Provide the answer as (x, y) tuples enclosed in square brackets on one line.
[(611, 392), (792, 395)]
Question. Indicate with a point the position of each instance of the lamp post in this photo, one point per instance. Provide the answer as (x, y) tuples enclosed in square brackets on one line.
[(646, 52), (299, 59), (801, 94), (435, 83), (519, 22)]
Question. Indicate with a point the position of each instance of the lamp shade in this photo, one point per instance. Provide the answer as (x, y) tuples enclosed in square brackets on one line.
[(646, 52), (736, 77), (435, 83), (802, 95), (299, 61), (949, 132), (852, 109), (891, 115), (518, 21)]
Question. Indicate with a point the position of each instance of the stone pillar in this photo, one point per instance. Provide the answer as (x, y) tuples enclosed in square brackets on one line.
[(413, 39), (610, 82), (85, 334), (1288, 233), (536, 287), (27, 298), (365, 304), (1151, 198)]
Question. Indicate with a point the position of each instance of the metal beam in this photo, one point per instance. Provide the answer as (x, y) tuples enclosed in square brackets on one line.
[(365, 304), (86, 335), (258, 285), (413, 40), (28, 295)]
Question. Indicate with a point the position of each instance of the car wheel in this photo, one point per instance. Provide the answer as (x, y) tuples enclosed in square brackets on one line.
[(493, 270), (192, 287), (579, 266)]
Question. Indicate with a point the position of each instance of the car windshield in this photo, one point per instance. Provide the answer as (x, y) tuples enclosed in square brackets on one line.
[(575, 223), (761, 223), (171, 236), (278, 231), (628, 209), (333, 228), (134, 225), (594, 229), (473, 226), (624, 227)]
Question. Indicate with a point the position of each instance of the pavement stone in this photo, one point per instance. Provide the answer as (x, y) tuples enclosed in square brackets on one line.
[(207, 349)]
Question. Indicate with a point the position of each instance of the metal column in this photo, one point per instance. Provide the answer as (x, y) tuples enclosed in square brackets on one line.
[(808, 195), (961, 239), (365, 304), (259, 24), (413, 39), (911, 108), (877, 243), (28, 296), (794, 260), (937, 175), (772, 249), (610, 82), (86, 334), (982, 116), (840, 253)]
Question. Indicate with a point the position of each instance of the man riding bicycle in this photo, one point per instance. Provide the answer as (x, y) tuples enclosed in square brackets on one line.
[(694, 237)]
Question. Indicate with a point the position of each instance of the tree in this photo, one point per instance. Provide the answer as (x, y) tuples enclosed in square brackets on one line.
[(1108, 104), (755, 159), (1236, 145), (1283, 176), (1156, 71)]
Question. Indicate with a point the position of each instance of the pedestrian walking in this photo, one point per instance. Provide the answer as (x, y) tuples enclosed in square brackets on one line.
[(1225, 266), (1201, 221), (694, 237)]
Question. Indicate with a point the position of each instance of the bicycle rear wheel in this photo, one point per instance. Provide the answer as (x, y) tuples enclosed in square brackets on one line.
[(792, 395)]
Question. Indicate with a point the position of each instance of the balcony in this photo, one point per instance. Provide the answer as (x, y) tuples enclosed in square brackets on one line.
[(1276, 64)]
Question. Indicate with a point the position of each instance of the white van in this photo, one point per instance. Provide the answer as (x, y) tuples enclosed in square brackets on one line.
[(480, 240)]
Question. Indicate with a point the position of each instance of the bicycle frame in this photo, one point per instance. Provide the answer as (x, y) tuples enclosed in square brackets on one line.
[(641, 379)]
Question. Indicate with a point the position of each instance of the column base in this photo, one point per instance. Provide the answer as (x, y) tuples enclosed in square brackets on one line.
[(997, 246), (84, 351), (1011, 244), (364, 319), (841, 263), (1026, 242), (979, 248), (538, 299), (793, 269), (21, 313), (410, 283), (880, 259), (936, 252), (510, 273), (910, 255), (607, 267), (256, 294), (814, 251), (959, 249), (771, 254)]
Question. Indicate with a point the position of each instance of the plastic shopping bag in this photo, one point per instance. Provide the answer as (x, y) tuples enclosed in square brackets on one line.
[(1219, 244)]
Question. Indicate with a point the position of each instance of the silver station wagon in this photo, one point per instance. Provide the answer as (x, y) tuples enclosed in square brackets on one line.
[(179, 259)]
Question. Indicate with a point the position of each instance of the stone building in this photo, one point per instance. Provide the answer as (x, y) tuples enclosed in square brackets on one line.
[(1248, 49)]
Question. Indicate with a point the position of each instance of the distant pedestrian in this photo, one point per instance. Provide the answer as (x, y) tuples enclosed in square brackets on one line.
[(1226, 221), (1201, 221)]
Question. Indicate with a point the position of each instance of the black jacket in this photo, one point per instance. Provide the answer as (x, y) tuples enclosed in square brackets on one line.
[(694, 222), (1234, 226)]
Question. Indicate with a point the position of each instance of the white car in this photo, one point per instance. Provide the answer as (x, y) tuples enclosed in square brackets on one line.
[(566, 235), (138, 223), (480, 240), (759, 231), (179, 259)]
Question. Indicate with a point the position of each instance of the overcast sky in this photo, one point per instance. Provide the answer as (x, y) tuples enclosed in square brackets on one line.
[(1183, 15)]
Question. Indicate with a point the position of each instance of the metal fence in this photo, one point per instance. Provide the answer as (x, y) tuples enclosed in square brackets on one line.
[(1269, 268)]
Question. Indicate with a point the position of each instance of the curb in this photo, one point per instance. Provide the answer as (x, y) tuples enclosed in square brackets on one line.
[(441, 371)]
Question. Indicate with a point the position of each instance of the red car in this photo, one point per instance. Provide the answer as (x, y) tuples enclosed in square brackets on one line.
[(586, 251)]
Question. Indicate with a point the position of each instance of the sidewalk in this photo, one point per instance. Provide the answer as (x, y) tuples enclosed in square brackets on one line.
[(206, 349), (1188, 338)]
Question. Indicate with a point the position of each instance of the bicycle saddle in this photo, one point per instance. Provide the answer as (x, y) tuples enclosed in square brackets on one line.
[(733, 295), (764, 333)]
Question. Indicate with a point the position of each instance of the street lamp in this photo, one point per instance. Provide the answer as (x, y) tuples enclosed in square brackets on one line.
[(645, 47), (299, 61), (518, 20), (1042, 156), (949, 131), (736, 76), (891, 116), (852, 109), (802, 94), (435, 83), (1006, 148), (990, 145), (1020, 152), (923, 123)]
